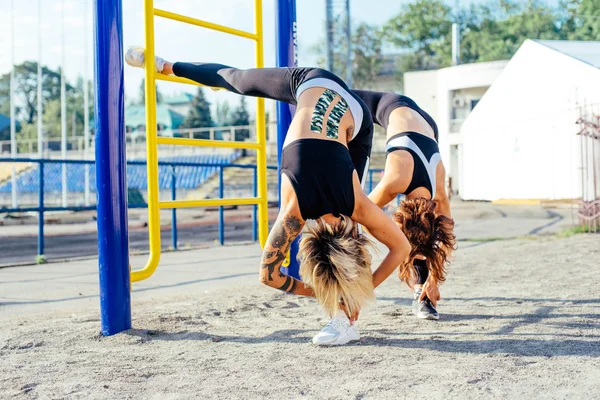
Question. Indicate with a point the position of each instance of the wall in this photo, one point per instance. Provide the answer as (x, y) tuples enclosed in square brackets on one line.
[(433, 91), (520, 141)]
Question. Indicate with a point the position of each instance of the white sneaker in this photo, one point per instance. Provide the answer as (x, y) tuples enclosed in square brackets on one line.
[(337, 332), (136, 58)]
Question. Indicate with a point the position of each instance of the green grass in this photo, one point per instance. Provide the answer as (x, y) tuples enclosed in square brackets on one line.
[(41, 259), (574, 230)]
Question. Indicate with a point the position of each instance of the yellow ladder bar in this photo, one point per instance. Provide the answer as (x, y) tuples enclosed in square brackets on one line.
[(152, 139), (261, 134), (209, 202), (205, 24), (207, 143)]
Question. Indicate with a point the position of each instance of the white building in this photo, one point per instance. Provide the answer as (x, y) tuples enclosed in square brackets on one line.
[(521, 142), (449, 95)]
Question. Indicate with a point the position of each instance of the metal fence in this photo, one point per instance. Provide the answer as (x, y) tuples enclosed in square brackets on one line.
[(374, 176), (589, 146), (41, 208)]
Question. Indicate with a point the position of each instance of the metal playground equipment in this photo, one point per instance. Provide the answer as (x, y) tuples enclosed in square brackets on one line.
[(114, 269)]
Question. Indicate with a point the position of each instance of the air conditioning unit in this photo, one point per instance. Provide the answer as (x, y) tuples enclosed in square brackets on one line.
[(459, 102)]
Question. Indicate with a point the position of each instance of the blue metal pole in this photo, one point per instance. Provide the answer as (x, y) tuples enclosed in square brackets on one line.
[(41, 211), (255, 208), (370, 180), (174, 210), (221, 217), (111, 178), (287, 56)]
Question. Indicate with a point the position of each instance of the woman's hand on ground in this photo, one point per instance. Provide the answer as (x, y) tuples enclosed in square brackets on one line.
[(432, 291)]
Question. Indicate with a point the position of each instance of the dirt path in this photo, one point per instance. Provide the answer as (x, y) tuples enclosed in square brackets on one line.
[(520, 320)]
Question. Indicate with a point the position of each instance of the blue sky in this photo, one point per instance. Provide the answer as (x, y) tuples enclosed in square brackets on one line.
[(174, 41)]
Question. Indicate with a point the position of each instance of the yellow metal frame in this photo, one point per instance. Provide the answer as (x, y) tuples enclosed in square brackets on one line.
[(152, 139)]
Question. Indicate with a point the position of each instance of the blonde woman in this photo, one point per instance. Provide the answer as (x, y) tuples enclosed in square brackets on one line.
[(325, 156)]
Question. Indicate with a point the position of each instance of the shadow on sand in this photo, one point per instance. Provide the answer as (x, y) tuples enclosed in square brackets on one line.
[(503, 340)]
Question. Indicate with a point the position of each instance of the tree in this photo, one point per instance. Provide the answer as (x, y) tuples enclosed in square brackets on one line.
[(367, 56), (199, 114), (423, 29), (26, 99), (490, 31), (142, 93), (26, 90), (240, 117), (582, 20), (495, 31)]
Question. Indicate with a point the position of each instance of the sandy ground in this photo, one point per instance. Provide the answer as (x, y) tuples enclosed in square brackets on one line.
[(520, 319)]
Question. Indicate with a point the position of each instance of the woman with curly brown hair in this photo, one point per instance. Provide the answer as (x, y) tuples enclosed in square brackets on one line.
[(414, 168), (324, 158)]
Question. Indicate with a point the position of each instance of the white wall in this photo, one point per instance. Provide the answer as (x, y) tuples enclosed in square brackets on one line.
[(421, 86), (519, 142), (432, 90)]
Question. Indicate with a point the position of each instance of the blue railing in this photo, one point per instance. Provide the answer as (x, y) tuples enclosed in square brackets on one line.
[(41, 208), (371, 171)]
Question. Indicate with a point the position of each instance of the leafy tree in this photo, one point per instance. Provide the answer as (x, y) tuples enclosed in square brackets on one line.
[(26, 90), (26, 99), (495, 31), (366, 53), (199, 114), (489, 31), (241, 117), (424, 29), (52, 114), (582, 20)]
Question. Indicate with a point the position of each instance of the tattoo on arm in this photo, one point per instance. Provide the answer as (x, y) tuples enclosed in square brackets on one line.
[(289, 285), (278, 244)]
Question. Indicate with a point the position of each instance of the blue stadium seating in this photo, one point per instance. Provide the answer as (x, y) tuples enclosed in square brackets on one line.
[(187, 177)]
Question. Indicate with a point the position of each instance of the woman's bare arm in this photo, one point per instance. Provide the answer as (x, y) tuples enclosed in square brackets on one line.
[(442, 202), (384, 230), (382, 195), (287, 227)]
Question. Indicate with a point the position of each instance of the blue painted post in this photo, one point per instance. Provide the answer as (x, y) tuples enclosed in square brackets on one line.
[(174, 210), (41, 212), (221, 217), (255, 208), (113, 256), (370, 180), (287, 56)]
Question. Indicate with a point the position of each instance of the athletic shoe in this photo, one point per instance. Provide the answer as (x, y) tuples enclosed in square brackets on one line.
[(424, 309), (136, 58), (337, 332)]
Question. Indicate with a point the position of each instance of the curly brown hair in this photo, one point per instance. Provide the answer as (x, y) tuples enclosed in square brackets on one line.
[(429, 235), (335, 261)]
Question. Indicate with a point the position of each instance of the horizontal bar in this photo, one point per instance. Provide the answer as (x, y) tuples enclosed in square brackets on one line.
[(204, 24), (185, 81), (206, 143), (44, 160), (46, 209), (165, 163), (209, 202)]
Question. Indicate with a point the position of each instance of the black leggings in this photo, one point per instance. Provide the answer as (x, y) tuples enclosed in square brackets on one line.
[(421, 270), (271, 83), (279, 84)]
